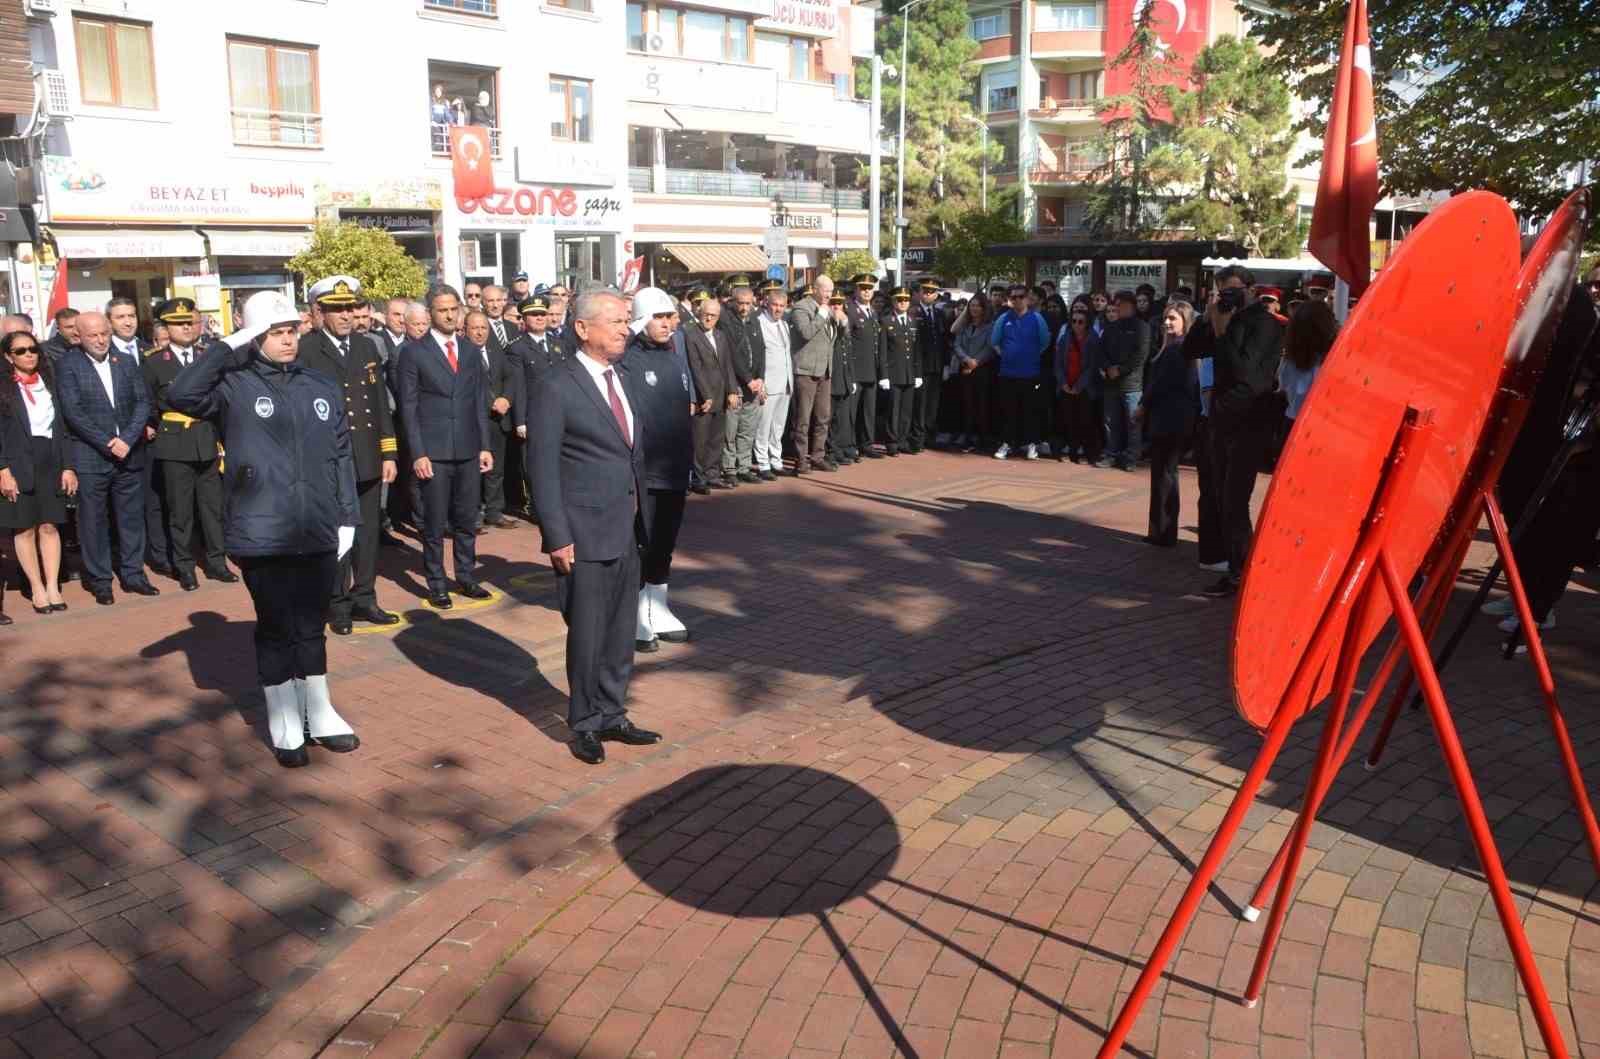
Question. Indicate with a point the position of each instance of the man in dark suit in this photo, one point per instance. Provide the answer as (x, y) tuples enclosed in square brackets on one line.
[(588, 483), (444, 410), (933, 353), (106, 406), (354, 362), (536, 353), (864, 353), (711, 365), (900, 373), (490, 333), (66, 338), (184, 451)]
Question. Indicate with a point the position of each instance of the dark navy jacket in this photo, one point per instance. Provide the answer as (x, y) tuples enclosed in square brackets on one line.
[(660, 386), (289, 474), (92, 418), (444, 413), (1171, 392)]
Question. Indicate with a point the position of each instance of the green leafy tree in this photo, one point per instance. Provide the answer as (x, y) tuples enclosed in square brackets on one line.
[(371, 255), (962, 254), (847, 263), (1230, 151), (944, 150), (1129, 189), (1469, 95)]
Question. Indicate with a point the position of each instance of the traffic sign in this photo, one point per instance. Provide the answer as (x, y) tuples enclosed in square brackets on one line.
[(777, 272)]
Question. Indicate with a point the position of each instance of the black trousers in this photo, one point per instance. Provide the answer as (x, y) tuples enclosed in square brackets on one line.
[(1164, 452), (1078, 417), (158, 550), (899, 417), (405, 494), (842, 431), (975, 387), (1561, 534), (191, 485), (107, 498), (866, 415), (291, 596), (356, 575), (1240, 445), (451, 496), (494, 483), (600, 603), (925, 415), (1212, 548), (655, 566), (1016, 410), (710, 432)]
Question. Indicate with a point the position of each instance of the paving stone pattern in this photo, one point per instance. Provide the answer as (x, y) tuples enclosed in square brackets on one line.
[(940, 761)]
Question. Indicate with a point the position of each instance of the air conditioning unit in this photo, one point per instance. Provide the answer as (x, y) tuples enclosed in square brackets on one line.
[(39, 8), (50, 89)]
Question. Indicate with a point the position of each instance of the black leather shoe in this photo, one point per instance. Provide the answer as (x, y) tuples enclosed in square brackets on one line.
[(58, 607), (646, 646), (374, 616), (163, 569), (585, 746), (187, 581), (389, 540), (632, 736), (766, 475), (292, 759), (339, 744), (873, 454), (723, 483), (474, 591), (827, 465), (700, 489), (747, 476), (339, 626), (440, 600), (223, 574), (141, 588), (103, 596), (502, 523)]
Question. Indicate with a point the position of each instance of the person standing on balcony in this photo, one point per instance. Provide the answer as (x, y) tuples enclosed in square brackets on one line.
[(481, 112)]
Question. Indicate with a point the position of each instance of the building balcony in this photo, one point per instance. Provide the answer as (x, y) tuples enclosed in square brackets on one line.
[(1072, 171), (439, 139), (1065, 111), (712, 184)]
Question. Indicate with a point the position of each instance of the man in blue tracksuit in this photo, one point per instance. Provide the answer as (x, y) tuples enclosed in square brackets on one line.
[(1023, 339)]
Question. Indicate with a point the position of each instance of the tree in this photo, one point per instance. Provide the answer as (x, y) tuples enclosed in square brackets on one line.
[(847, 263), (1128, 189), (1230, 153), (371, 255), (943, 143), (961, 255), (1496, 96)]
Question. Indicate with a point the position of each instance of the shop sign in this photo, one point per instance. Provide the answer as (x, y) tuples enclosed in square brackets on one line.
[(77, 189), (563, 207), (811, 18), (557, 164), (418, 193), (691, 82), (390, 220)]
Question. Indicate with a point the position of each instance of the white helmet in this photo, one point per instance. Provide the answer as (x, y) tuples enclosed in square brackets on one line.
[(263, 311)]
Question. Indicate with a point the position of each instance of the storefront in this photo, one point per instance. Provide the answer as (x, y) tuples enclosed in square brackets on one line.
[(146, 232), (409, 210), (707, 238)]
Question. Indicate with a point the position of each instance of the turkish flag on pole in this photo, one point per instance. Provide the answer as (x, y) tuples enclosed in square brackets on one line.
[(471, 161), (1348, 187), (58, 291)]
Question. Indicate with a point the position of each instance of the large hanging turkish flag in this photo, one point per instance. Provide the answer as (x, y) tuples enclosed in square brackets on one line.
[(1348, 187), (471, 161)]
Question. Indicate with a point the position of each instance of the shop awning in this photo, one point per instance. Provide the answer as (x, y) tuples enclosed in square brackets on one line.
[(128, 242), (719, 257), (256, 242)]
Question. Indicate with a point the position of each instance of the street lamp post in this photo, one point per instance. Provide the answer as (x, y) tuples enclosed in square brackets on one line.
[(900, 222)]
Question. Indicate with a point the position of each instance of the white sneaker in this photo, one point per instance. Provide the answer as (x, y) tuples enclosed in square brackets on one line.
[(1033, 452), (1220, 567), (1499, 608), (1510, 624), (1003, 452)]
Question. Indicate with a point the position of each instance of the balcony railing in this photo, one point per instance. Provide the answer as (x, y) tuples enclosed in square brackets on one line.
[(278, 128), (468, 7), (1071, 172), (439, 138), (748, 185), (639, 178), (1051, 108)]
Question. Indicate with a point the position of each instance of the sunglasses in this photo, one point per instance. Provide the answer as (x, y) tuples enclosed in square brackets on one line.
[(17, 351)]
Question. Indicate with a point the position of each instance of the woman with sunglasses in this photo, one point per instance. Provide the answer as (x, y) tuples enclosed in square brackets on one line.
[(34, 478)]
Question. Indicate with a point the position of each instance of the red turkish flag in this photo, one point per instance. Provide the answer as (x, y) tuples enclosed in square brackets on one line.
[(471, 161), (58, 291), (1348, 187)]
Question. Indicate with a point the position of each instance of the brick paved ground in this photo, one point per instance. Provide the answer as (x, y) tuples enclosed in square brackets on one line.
[(938, 763)]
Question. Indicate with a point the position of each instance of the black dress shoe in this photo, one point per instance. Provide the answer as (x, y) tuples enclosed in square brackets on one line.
[(827, 465), (223, 574), (42, 610), (700, 489), (873, 454), (440, 599), (187, 581), (58, 607), (374, 616), (648, 647), (163, 569), (766, 475), (748, 476), (723, 483), (585, 746), (6, 619), (339, 626), (103, 596), (292, 759), (502, 523), (141, 588), (339, 744), (474, 591), (632, 736)]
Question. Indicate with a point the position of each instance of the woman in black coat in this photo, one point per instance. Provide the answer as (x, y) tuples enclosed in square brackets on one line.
[(1168, 409), (34, 477)]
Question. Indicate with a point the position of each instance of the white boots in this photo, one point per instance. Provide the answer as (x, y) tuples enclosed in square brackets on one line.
[(656, 621), (296, 706)]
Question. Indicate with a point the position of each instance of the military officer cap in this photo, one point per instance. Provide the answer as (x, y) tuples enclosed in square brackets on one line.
[(836, 299), (769, 287), (863, 279), (336, 292), (901, 293), (698, 295), (927, 283), (738, 280), (802, 291), (537, 304), (176, 311), (520, 277)]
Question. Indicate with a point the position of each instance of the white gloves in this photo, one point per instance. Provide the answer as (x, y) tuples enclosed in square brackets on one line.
[(347, 539), (916, 384), (852, 387), (883, 384)]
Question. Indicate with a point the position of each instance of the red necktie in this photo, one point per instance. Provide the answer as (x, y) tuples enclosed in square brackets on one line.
[(617, 411), (450, 353)]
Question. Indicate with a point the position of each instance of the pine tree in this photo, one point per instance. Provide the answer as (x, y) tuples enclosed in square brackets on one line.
[(1230, 152)]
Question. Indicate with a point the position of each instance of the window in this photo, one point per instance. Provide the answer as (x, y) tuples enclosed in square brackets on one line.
[(1069, 16), (708, 35), (1000, 90), (636, 34), (986, 27), (571, 5), (1085, 85), (790, 56), (572, 113), (799, 59), (116, 66), (466, 7), (462, 95), (274, 88)]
